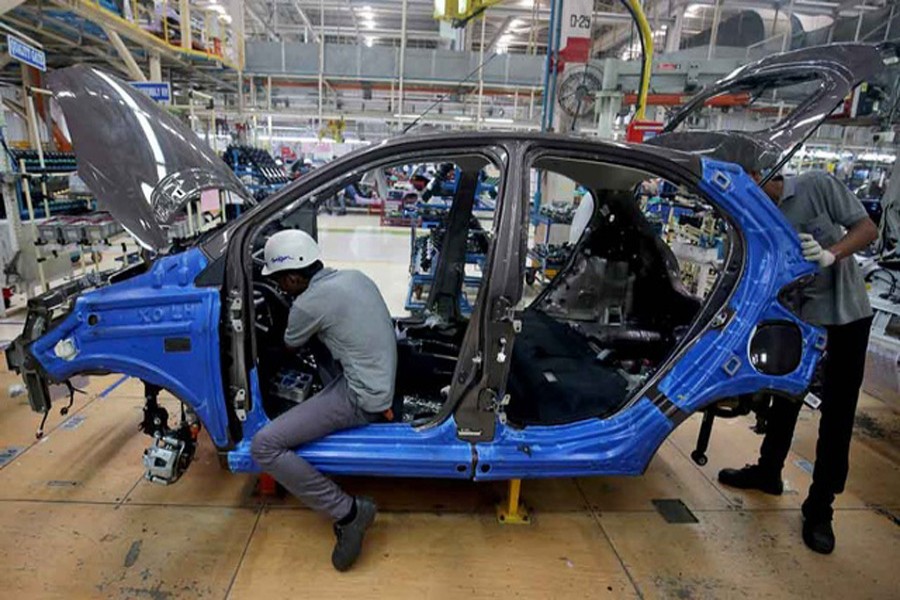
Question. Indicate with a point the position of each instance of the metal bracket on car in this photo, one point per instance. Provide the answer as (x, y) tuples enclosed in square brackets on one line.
[(732, 365), (488, 401), (821, 342), (240, 404), (236, 310), (722, 180), (721, 319), (503, 311)]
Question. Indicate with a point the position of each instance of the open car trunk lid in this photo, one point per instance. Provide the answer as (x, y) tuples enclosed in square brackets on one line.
[(140, 162), (827, 75)]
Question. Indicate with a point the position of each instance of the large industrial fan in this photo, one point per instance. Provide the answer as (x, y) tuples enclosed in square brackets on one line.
[(578, 90)]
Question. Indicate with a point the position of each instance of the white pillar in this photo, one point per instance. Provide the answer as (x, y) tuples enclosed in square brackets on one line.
[(789, 36), (155, 67), (714, 32), (887, 30), (321, 61), (184, 15), (481, 72), (859, 23), (673, 35), (402, 61)]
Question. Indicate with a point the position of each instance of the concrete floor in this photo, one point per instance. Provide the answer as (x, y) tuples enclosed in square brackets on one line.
[(78, 520)]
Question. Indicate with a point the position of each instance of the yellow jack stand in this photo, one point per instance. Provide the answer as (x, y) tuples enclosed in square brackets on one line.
[(514, 511)]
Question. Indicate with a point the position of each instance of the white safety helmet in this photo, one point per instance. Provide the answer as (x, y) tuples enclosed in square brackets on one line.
[(289, 250)]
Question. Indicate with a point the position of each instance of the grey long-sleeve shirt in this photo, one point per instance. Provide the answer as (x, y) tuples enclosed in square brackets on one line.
[(818, 204), (346, 310)]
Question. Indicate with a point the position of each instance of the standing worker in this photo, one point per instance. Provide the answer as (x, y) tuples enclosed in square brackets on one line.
[(833, 225), (347, 313)]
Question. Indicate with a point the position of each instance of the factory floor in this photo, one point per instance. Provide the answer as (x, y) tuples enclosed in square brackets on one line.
[(77, 519)]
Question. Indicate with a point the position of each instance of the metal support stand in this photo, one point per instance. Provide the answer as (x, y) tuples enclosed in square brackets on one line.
[(513, 511)]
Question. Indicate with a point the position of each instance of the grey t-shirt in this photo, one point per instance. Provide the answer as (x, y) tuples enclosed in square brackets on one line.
[(346, 310), (818, 204)]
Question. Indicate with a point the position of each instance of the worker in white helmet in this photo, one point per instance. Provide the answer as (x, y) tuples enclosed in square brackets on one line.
[(345, 310)]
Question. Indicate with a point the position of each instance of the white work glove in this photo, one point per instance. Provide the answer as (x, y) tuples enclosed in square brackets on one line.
[(814, 252)]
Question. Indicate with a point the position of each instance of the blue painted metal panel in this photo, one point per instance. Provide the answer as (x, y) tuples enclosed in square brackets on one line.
[(381, 449), (133, 319), (625, 443), (773, 260), (620, 445)]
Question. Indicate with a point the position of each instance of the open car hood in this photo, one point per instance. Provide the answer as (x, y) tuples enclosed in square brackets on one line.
[(827, 75), (140, 162)]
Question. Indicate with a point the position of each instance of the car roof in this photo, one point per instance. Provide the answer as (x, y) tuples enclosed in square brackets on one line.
[(686, 160)]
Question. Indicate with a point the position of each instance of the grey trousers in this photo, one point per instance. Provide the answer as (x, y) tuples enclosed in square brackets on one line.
[(273, 447)]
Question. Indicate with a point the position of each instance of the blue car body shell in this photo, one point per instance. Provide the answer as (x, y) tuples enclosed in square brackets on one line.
[(126, 327), (161, 328)]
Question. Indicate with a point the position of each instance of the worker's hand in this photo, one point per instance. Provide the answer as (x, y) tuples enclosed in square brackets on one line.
[(813, 251)]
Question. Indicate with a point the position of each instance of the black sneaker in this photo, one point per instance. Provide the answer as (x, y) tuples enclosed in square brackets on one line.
[(350, 536), (752, 477), (818, 536)]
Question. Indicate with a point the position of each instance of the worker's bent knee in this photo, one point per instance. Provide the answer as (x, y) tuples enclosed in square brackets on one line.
[(263, 448)]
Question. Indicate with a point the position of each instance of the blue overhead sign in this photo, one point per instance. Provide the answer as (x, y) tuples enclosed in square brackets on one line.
[(161, 91), (25, 53)]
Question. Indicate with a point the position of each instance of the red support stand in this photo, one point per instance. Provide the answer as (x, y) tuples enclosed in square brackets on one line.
[(266, 485)]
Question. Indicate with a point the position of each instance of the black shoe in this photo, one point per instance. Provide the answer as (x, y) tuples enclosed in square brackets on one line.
[(350, 536), (818, 536), (752, 477)]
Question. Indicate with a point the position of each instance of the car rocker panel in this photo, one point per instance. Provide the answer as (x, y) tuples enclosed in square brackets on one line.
[(389, 449)]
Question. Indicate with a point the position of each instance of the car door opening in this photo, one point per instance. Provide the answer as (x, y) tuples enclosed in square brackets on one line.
[(448, 248), (624, 299)]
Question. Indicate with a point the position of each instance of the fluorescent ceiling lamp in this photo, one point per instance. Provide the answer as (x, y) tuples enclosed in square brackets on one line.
[(872, 157), (289, 138), (289, 128), (217, 8), (399, 116), (499, 120), (225, 18), (462, 119), (369, 24)]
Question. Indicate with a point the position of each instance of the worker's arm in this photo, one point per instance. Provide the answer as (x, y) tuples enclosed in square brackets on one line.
[(301, 327), (845, 208), (859, 236)]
